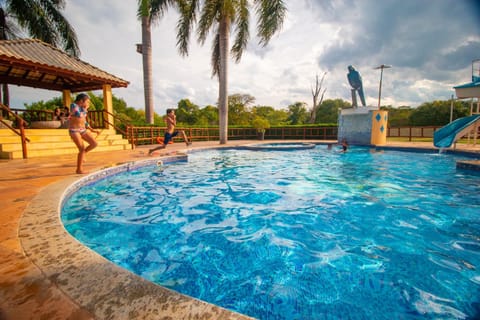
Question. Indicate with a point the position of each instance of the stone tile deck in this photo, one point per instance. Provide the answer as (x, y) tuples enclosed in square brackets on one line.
[(46, 274)]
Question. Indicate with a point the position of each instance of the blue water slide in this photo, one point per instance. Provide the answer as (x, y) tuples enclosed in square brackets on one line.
[(449, 134)]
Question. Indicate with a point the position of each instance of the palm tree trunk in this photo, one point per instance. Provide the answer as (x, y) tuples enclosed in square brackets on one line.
[(223, 80), (147, 69)]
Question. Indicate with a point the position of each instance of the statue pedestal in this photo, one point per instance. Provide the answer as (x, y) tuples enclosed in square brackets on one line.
[(363, 126)]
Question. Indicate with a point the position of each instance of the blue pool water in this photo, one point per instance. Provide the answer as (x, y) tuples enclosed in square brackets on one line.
[(311, 234)]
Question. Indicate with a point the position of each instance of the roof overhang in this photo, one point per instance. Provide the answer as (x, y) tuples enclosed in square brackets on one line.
[(33, 63), (468, 90)]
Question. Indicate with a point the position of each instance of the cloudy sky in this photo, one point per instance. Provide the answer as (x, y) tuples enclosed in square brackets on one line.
[(429, 43)]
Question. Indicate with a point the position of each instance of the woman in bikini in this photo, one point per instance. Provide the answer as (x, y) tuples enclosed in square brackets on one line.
[(78, 128)]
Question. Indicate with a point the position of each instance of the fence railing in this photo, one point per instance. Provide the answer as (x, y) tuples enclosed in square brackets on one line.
[(34, 115), (412, 132), (20, 125), (150, 134)]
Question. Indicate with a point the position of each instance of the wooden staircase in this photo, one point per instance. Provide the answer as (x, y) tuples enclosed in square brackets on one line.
[(50, 142)]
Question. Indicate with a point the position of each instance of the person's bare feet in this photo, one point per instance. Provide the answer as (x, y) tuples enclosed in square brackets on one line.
[(155, 149), (189, 143), (81, 172)]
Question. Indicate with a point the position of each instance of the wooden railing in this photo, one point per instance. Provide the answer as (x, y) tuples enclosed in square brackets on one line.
[(34, 115), (141, 135), (20, 123), (149, 134), (412, 132)]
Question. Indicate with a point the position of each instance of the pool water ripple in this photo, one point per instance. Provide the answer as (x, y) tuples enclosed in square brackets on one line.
[(310, 234)]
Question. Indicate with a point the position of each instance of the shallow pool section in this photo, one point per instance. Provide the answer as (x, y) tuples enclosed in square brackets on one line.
[(312, 234), (280, 146)]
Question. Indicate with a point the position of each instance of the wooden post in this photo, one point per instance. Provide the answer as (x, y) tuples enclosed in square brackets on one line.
[(24, 141), (67, 98), (108, 106)]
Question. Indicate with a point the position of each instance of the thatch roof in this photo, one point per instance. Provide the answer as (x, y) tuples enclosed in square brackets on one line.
[(33, 63)]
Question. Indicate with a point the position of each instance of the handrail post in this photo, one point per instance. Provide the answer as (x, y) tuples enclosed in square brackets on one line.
[(24, 140), (104, 119)]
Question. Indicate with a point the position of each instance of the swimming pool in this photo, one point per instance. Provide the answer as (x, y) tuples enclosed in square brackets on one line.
[(308, 234)]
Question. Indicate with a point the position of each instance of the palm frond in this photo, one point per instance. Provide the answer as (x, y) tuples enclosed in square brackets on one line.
[(42, 19), (242, 29), (215, 60), (65, 36), (188, 15), (143, 8), (210, 14), (271, 14), (158, 8), (9, 27)]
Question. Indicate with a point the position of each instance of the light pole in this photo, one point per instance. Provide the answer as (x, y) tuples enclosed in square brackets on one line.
[(381, 67)]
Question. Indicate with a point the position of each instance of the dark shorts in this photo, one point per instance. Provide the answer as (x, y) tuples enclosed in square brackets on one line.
[(168, 136)]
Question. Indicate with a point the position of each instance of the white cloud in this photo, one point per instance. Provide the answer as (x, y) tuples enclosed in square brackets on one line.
[(430, 47)]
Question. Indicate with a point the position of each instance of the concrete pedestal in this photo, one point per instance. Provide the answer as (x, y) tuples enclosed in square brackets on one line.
[(363, 126)]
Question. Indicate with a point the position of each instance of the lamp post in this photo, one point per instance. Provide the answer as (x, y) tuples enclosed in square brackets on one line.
[(381, 67)]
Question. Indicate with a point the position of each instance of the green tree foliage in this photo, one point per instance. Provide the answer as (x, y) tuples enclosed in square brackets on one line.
[(238, 109), (41, 19), (127, 114), (260, 124), (398, 117), (437, 113), (96, 102), (120, 108), (208, 116), (298, 113), (274, 117), (329, 109), (45, 105), (187, 112)]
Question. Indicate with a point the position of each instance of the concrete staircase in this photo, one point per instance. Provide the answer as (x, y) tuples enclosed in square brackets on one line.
[(49, 142)]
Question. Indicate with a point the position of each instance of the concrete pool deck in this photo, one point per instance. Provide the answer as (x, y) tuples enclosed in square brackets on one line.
[(47, 274)]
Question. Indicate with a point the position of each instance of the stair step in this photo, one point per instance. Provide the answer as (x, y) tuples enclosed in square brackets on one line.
[(55, 152), (66, 138), (45, 142), (55, 145), (48, 132)]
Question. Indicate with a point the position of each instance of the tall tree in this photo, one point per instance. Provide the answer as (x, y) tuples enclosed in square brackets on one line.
[(329, 109), (298, 113), (221, 15), (187, 112), (40, 19), (315, 94), (149, 12)]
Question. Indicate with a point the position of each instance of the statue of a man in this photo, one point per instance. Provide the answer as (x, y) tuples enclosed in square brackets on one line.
[(355, 81)]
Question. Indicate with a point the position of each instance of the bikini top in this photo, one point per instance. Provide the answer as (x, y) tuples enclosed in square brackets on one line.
[(77, 111)]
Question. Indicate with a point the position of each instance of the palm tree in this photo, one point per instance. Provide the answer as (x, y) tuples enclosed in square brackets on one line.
[(149, 11), (221, 15), (40, 19)]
